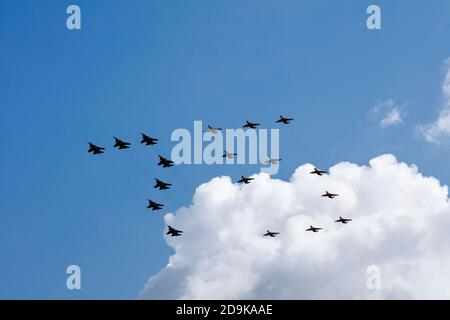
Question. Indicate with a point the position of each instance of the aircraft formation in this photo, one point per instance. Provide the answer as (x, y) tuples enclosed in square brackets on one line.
[(167, 163)]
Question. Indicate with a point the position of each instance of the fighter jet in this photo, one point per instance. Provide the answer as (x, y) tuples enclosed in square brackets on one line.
[(154, 205), (318, 172), (284, 120), (148, 140), (95, 149), (161, 185), (329, 195), (343, 220), (213, 130), (174, 232), (313, 229), (121, 144), (270, 234), (229, 155), (165, 163), (245, 180), (272, 161), (250, 125)]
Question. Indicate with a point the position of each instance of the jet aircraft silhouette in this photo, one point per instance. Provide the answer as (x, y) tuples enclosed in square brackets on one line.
[(330, 195), (318, 172), (154, 205), (173, 232), (270, 234), (161, 185), (250, 125), (121, 144), (165, 163), (213, 130), (245, 180), (229, 155), (272, 161), (284, 120), (343, 220), (95, 149), (148, 140), (313, 229)]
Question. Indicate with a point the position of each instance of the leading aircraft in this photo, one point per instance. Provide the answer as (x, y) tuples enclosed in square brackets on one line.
[(318, 172), (165, 163), (343, 220), (173, 232), (270, 234), (148, 140), (121, 144), (330, 195), (250, 125), (95, 149), (313, 229), (284, 120), (154, 205), (161, 185), (245, 180)]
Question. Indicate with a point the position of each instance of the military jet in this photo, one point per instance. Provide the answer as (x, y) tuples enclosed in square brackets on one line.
[(121, 144), (313, 229), (154, 205), (270, 234), (165, 163), (174, 232), (318, 172), (229, 155), (250, 125), (213, 130), (148, 140), (330, 195), (343, 220), (284, 120), (95, 149), (161, 185), (245, 180), (272, 161)]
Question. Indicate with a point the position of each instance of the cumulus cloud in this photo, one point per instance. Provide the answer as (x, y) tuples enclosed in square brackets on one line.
[(400, 224), (391, 113), (434, 132)]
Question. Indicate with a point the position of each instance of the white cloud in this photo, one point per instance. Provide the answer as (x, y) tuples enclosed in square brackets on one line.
[(392, 113), (434, 132), (392, 117), (400, 223)]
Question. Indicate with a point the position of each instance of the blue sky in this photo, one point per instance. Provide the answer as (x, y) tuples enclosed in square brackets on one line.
[(154, 66)]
